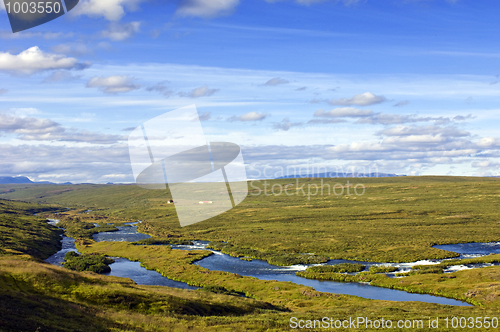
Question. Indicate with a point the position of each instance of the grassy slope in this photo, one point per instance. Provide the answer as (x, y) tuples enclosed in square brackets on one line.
[(397, 219), (22, 233)]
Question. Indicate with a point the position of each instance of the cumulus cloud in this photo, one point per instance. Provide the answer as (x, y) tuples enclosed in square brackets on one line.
[(251, 116), (489, 142), (206, 8), (34, 60), (343, 112), (112, 10), (362, 99), (161, 88), (113, 84), (3, 91), (276, 81), (118, 32), (205, 116), (31, 128), (285, 124), (28, 126), (203, 91)]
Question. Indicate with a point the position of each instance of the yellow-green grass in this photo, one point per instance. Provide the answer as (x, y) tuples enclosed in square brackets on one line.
[(396, 220), (50, 298), (39, 296)]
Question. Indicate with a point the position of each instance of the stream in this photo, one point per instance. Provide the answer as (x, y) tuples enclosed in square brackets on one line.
[(262, 270)]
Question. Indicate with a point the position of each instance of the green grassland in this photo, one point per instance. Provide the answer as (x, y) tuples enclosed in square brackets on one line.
[(397, 219)]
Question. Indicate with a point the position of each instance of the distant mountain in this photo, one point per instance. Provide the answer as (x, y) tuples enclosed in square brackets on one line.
[(13, 180), (22, 180), (341, 175)]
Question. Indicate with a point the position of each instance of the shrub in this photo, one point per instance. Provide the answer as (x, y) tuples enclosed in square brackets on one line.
[(338, 268), (87, 262), (383, 269)]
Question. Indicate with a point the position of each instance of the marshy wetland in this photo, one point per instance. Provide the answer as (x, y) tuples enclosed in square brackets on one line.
[(397, 221)]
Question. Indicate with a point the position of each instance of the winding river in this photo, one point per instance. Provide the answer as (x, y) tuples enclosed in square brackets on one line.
[(262, 270)]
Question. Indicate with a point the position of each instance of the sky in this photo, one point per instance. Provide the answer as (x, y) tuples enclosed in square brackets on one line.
[(408, 87)]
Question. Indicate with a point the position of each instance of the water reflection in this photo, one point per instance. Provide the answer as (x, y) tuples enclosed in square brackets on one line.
[(125, 268)]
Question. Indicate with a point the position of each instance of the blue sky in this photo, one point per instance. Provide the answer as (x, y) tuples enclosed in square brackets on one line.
[(406, 87)]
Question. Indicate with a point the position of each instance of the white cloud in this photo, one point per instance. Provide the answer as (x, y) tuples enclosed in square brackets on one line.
[(251, 116), (27, 125), (34, 60), (112, 10), (2, 6), (30, 128), (117, 31), (276, 81), (343, 112), (3, 91), (206, 8), (203, 91), (113, 84), (362, 99), (489, 142)]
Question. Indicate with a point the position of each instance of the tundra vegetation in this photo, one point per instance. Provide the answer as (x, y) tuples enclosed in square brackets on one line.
[(396, 220)]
